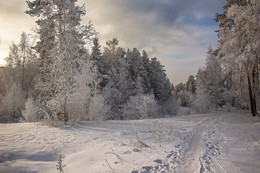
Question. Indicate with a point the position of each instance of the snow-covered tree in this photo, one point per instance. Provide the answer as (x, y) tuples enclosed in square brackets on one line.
[(185, 92), (239, 45), (136, 70), (96, 52), (98, 108), (22, 63), (14, 101), (202, 102), (210, 85), (30, 112), (160, 85), (13, 59), (116, 88), (62, 51), (191, 84), (146, 81), (214, 78), (141, 107)]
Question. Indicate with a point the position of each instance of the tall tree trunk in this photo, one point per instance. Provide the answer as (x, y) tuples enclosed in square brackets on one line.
[(254, 89), (23, 70), (215, 95), (252, 105), (65, 113), (14, 106)]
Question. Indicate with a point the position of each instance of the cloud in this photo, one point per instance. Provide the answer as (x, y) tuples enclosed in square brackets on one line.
[(11, 9), (13, 22)]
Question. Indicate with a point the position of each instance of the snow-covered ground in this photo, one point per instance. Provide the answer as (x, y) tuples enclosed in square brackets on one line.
[(217, 142)]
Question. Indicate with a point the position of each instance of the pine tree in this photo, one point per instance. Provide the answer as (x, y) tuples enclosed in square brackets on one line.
[(136, 70), (13, 59), (239, 45), (146, 82), (214, 77), (62, 51), (46, 47), (115, 89), (202, 102), (191, 84), (159, 83)]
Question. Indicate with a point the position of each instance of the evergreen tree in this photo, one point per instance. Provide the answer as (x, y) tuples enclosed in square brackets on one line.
[(115, 74), (214, 76), (146, 82), (159, 83), (202, 102), (137, 72), (62, 51), (191, 84), (239, 46)]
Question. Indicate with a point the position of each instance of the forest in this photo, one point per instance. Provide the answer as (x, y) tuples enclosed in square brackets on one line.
[(60, 75)]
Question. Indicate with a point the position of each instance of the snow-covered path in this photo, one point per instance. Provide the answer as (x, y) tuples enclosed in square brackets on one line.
[(219, 142), (191, 159)]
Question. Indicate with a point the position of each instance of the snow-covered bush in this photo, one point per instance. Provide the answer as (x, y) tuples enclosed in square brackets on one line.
[(76, 108), (185, 98), (98, 110), (140, 107), (169, 107), (114, 98), (69, 110), (30, 113), (202, 103), (13, 102)]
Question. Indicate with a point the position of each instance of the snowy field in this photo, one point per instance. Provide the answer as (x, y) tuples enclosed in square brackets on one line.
[(217, 142)]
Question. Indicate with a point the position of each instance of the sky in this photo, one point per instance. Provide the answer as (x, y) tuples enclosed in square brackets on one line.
[(177, 32)]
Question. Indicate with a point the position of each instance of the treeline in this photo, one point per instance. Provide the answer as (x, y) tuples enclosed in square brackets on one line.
[(59, 79), (230, 78)]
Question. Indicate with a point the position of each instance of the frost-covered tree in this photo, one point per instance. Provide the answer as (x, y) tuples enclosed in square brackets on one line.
[(62, 51), (46, 47), (30, 112), (14, 102), (98, 108), (141, 107), (159, 83), (22, 64), (202, 102), (239, 46), (13, 59), (214, 78), (96, 52), (191, 84), (96, 57), (210, 85), (136, 70), (185, 92), (146, 81), (161, 87), (116, 88)]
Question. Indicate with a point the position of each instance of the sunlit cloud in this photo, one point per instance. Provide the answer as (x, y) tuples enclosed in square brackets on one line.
[(13, 22)]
